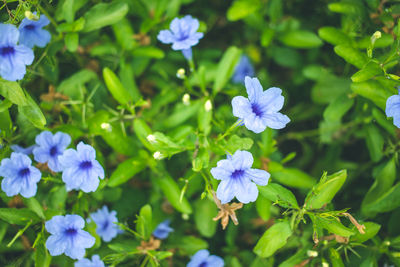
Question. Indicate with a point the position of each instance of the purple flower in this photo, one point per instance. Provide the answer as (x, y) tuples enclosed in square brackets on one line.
[(393, 108), (238, 179), (162, 230), (243, 69), (81, 170), (261, 108), (96, 262), (13, 57), (202, 258), (105, 222), (19, 149), (20, 177), (31, 32), (182, 34), (49, 147), (67, 236)]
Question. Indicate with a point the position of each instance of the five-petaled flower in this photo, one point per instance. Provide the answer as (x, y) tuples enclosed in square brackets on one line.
[(13, 57), (95, 262), (67, 236), (31, 32), (393, 108), (19, 175), (242, 69), (182, 34), (49, 147), (162, 230), (238, 179), (81, 170), (261, 108), (105, 221), (202, 258)]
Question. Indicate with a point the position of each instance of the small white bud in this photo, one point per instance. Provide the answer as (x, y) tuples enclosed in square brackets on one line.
[(312, 253), (185, 216), (151, 138), (186, 99), (157, 155), (106, 126), (29, 15), (325, 264), (180, 73), (208, 105), (377, 35)]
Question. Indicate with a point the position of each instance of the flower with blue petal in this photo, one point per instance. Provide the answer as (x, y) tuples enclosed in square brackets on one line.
[(202, 258), (49, 147), (238, 179), (243, 69), (19, 149), (68, 237), (80, 168), (20, 177), (13, 57), (95, 262), (393, 108), (105, 223), (261, 109), (31, 32), (182, 35), (162, 230)]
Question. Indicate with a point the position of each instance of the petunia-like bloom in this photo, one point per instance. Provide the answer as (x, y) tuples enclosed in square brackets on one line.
[(393, 108), (19, 149), (31, 32), (162, 230), (202, 258), (80, 168), (13, 57), (243, 69), (182, 35), (260, 110), (238, 179), (49, 147), (20, 177), (68, 237), (105, 222), (95, 262)]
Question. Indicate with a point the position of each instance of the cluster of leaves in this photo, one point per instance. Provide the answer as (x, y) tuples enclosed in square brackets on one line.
[(106, 80)]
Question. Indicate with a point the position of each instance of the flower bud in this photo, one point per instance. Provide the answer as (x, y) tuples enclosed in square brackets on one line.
[(208, 105), (106, 126), (377, 35), (325, 264), (186, 99), (312, 253), (151, 138), (158, 155), (185, 216), (181, 73), (29, 15)]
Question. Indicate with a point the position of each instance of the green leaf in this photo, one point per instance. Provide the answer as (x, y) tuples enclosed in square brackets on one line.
[(374, 141), (369, 71), (226, 67), (33, 113), (105, 14), (191, 244), (148, 51), (205, 211), (344, 7), (301, 39), (241, 9), (123, 32), (290, 176), (385, 41), (323, 192), (280, 195), (181, 114), (13, 92), (127, 169), (333, 36), (273, 239), (115, 87), (390, 200), (371, 229), (374, 91), (263, 207), (338, 107), (335, 258), (204, 118), (71, 86), (72, 41), (42, 256), (35, 206), (18, 216), (237, 143), (351, 55), (332, 225), (144, 222)]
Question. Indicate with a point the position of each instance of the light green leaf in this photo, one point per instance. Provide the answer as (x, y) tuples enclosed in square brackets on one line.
[(115, 87), (273, 239), (278, 194), (301, 39), (226, 67), (241, 9), (351, 55), (104, 14)]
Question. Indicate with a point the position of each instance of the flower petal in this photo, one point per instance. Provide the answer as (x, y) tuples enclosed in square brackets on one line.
[(245, 190), (276, 120), (226, 190), (254, 88), (272, 100), (241, 107), (198, 258), (260, 177), (166, 37)]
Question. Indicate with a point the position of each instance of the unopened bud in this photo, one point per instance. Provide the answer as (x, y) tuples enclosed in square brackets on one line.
[(186, 99), (106, 126), (151, 138), (377, 35), (29, 15), (325, 264), (312, 253), (185, 216), (208, 105), (157, 155), (180, 73)]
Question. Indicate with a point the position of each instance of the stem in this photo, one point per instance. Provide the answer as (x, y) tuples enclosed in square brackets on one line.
[(237, 123), (19, 233)]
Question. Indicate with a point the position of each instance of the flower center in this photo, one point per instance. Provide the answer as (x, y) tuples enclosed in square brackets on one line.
[(256, 110), (71, 232), (30, 27), (7, 50), (237, 174), (53, 151), (203, 264), (85, 165), (105, 224), (24, 172)]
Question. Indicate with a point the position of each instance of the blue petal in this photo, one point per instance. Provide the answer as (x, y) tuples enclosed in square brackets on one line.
[(221, 173), (10, 186), (254, 123), (254, 88), (260, 177), (215, 261), (276, 120), (198, 258), (272, 100), (242, 160), (245, 190), (166, 37), (9, 34), (56, 244), (55, 225), (72, 177), (20, 149), (86, 152), (241, 107), (41, 154), (393, 106), (29, 189), (226, 190)]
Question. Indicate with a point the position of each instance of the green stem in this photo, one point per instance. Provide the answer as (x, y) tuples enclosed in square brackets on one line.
[(20, 232), (227, 132)]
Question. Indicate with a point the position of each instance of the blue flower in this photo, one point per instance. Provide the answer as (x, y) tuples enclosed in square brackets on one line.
[(81, 170), (13, 57), (243, 69), (393, 108), (96, 262), (19, 175), (49, 147), (238, 179), (67, 236), (19, 149), (261, 108), (31, 32), (202, 258), (182, 34), (105, 222), (162, 230)]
